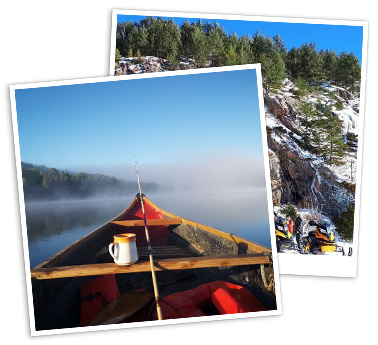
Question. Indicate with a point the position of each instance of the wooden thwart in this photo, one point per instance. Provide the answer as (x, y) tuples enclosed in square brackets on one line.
[(150, 222), (159, 265)]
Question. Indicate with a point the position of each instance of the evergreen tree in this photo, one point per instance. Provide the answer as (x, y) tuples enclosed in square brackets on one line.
[(335, 147), (143, 40), (302, 87), (307, 113), (164, 38), (319, 124), (330, 61), (279, 45), (310, 65), (272, 70), (216, 41), (259, 47), (345, 224), (186, 39), (348, 71), (293, 61), (117, 56), (172, 42), (199, 45), (230, 51), (244, 50)]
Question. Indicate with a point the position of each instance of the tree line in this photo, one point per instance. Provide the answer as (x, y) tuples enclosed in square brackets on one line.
[(41, 183), (210, 46)]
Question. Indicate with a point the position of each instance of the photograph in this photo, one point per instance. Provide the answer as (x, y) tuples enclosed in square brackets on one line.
[(210, 203), (313, 75), (145, 199)]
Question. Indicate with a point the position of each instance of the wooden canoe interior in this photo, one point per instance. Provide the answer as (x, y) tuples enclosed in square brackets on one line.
[(171, 237), (185, 254)]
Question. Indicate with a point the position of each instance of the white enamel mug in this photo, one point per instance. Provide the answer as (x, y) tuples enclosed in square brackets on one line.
[(125, 250)]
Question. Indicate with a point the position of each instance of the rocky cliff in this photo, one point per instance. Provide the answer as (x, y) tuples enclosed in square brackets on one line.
[(299, 175)]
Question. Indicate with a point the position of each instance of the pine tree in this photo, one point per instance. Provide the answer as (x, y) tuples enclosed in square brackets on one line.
[(307, 112), (143, 40), (230, 51), (329, 61), (310, 65), (216, 40), (200, 48), (345, 223), (186, 39), (117, 56), (279, 45), (293, 60), (302, 87), (335, 147), (259, 46), (244, 51), (348, 71), (272, 70)]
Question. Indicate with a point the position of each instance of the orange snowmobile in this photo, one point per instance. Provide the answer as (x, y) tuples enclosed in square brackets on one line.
[(319, 240)]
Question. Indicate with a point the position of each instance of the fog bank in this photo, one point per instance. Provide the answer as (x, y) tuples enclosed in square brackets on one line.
[(209, 173)]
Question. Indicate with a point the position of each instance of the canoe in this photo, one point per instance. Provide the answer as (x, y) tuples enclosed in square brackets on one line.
[(186, 254)]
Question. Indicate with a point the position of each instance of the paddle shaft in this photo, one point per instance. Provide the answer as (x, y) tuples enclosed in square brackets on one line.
[(154, 281)]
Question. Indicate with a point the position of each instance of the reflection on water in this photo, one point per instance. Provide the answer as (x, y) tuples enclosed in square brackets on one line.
[(53, 226)]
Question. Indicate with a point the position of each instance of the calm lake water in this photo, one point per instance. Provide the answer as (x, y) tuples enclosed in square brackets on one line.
[(53, 226)]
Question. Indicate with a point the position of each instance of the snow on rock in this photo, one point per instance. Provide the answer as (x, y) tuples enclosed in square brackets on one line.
[(149, 64), (349, 116)]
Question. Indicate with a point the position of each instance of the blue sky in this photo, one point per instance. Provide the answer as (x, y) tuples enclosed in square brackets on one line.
[(160, 120), (336, 37)]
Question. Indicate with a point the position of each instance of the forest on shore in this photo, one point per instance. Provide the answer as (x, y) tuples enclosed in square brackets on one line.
[(209, 46), (42, 183)]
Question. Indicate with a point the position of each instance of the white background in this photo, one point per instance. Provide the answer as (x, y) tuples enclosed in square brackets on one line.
[(45, 40)]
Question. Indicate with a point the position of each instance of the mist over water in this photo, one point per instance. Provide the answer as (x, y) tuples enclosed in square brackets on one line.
[(219, 171), (51, 226)]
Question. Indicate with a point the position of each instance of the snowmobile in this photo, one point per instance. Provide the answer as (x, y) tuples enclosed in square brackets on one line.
[(284, 238), (319, 240)]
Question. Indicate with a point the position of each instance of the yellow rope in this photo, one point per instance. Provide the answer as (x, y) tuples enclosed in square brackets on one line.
[(271, 285)]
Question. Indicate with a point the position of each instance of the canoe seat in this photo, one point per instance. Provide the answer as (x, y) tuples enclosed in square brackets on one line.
[(144, 266)]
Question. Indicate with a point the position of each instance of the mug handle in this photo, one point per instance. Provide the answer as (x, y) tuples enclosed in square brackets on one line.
[(111, 251)]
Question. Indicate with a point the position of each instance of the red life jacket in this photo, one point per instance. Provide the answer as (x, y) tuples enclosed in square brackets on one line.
[(95, 295), (226, 297)]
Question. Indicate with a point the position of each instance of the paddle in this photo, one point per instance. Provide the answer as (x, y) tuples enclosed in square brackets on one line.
[(123, 308), (154, 281)]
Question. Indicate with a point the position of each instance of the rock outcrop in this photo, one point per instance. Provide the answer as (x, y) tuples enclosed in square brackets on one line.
[(298, 176)]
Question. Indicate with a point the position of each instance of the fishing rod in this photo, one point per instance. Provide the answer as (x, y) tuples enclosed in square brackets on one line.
[(154, 281)]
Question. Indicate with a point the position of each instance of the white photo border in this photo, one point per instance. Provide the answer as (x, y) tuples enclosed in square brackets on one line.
[(13, 89)]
